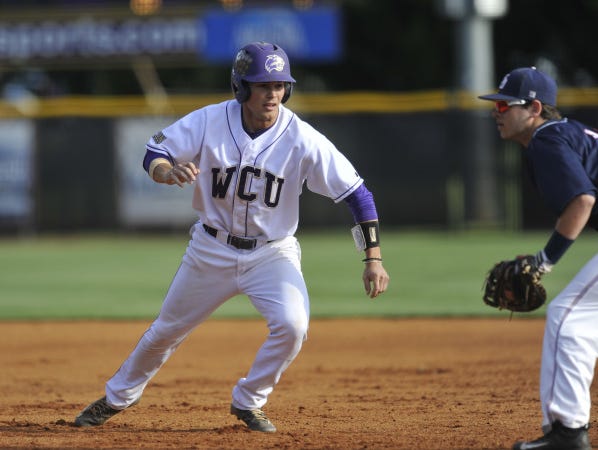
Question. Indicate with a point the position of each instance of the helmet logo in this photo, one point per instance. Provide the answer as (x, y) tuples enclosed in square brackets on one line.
[(504, 81), (274, 62)]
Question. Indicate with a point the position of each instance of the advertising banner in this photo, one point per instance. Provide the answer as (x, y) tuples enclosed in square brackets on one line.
[(16, 172), (142, 202), (89, 39), (306, 35), (311, 35)]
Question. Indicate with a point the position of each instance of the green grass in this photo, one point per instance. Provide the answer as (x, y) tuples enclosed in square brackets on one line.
[(123, 277)]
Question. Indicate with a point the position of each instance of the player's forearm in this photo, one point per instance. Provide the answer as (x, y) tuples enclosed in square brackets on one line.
[(575, 216), (367, 238), (366, 233), (373, 254), (568, 227)]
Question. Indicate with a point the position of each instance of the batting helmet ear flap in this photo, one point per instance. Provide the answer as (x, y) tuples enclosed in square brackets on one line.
[(288, 90), (241, 90)]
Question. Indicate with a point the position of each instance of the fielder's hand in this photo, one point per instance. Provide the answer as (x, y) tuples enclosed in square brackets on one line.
[(515, 285)]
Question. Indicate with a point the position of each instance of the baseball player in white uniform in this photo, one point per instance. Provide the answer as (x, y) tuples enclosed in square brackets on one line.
[(247, 159)]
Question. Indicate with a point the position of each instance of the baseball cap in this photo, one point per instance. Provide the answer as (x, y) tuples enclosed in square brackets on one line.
[(525, 83)]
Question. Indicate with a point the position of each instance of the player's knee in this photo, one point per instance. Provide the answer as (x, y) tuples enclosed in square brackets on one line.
[(161, 337), (292, 330)]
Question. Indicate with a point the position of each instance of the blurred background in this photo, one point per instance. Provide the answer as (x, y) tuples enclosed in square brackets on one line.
[(393, 83)]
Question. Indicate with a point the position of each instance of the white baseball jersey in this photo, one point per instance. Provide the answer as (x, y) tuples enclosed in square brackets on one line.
[(251, 187)]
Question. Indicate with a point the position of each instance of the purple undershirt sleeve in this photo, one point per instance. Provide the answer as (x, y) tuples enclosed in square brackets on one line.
[(150, 156), (362, 206)]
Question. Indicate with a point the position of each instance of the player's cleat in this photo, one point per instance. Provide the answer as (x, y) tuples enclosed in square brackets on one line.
[(255, 419), (559, 438), (97, 413)]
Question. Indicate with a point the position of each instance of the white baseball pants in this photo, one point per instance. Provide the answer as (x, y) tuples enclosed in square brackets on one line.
[(212, 272), (570, 350)]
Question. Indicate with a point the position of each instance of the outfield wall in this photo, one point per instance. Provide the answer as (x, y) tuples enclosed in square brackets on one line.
[(432, 159)]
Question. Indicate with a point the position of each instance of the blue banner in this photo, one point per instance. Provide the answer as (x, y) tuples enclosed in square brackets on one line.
[(312, 35)]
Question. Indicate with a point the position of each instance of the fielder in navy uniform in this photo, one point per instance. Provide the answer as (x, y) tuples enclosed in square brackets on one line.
[(248, 159), (562, 158)]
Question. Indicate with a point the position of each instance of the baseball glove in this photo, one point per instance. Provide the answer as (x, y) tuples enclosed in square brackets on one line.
[(515, 285)]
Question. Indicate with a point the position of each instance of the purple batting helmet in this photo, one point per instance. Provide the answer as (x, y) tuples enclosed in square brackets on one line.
[(260, 62)]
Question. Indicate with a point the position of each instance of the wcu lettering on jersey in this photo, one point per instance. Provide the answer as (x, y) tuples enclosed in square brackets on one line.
[(272, 187)]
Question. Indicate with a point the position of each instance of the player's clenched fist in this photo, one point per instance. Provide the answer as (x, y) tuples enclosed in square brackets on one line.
[(182, 173), (178, 174)]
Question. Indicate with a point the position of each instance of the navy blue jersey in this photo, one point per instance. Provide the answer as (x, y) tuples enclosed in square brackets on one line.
[(562, 159)]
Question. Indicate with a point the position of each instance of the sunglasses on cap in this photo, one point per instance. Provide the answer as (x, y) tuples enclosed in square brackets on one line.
[(503, 106)]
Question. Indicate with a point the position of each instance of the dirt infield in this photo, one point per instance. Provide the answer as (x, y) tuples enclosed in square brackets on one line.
[(357, 384)]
